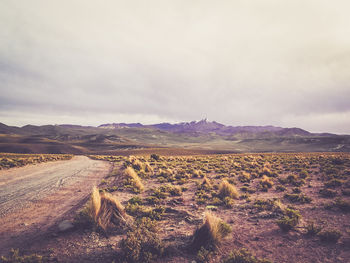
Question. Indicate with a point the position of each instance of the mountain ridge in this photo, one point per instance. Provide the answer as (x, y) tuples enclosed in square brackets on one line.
[(204, 126), (203, 136)]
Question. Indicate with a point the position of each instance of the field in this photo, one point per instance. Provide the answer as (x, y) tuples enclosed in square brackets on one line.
[(213, 208), (9, 160)]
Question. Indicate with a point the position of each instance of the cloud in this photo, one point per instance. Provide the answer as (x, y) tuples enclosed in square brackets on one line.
[(236, 62)]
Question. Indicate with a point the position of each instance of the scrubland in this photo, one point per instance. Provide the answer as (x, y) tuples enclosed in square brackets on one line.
[(214, 208)]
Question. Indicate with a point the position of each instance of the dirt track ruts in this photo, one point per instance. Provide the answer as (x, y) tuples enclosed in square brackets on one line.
[(35, 197)]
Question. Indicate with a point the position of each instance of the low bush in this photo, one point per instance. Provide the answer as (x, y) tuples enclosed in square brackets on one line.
[(289, 220), (298, 198), (142, 243), (266, 182), (243, 256), (16, 258), (244, 177), (312, 229)]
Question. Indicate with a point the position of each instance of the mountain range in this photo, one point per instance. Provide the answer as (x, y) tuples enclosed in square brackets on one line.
[(204, 126), (202, 136)]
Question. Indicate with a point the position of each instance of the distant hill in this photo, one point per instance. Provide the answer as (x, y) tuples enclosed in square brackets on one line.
[(196, 136), (204, 126)]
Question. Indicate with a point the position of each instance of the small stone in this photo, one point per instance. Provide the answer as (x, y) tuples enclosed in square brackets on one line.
[(65, 226)]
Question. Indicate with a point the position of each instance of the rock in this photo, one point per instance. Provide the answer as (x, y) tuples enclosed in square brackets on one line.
[(65, 226)]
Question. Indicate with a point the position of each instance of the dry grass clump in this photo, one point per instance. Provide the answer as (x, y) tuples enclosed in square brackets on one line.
[(206, 184), (244, 177), (210, 234), (266, 182), (227, 190), (148, 168), (198, 173), (133, 179), (106, 211)]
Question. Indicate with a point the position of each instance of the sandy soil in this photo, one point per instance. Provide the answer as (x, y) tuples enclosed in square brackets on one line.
[(35, 198)]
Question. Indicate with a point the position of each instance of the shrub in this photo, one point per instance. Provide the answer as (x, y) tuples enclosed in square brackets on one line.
[(204, 255), (142, 243), (198, 173), (137, 165), (244, 177), (298, 198), (243, 256), (303, 174), (269, 205), (210, 234), (312, 229), (16, 258), (296, 190), (227, 190), (281, 188), (266, 182), (266, 171), (289, 220), (228, 202), (294, 180), (155, 157), (206, 184), (329, 235)]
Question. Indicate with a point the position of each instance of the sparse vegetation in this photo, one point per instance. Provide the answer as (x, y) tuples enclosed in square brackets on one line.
[(243, 256), (142, 243), (256, 194), (10, 160), (16, 258)]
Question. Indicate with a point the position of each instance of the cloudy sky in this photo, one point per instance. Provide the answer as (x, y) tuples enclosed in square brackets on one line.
[(238, 62)]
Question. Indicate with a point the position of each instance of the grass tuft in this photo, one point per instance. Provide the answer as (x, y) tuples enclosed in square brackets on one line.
[(106, 211), (210, 234), (227, 190), (133, 180)]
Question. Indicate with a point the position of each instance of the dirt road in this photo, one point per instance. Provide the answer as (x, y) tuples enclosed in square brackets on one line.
[(35, 198)]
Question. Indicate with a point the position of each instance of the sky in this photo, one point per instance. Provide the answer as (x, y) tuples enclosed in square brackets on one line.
[(237, 62)]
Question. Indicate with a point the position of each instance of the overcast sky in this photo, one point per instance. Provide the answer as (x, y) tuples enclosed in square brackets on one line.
[(284, 63)]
